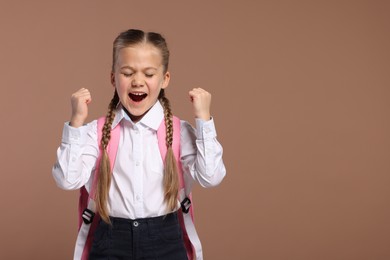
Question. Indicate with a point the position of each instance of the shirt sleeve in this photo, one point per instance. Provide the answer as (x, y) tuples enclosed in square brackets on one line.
[(201, 153), (76, 156)]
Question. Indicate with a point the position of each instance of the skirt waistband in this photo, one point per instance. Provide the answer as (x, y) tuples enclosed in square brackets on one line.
[(169, 219)]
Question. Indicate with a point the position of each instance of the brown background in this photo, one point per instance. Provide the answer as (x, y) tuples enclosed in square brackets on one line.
[(300, 99)]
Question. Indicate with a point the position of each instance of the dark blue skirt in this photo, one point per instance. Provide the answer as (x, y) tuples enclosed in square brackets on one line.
[(158, 238)]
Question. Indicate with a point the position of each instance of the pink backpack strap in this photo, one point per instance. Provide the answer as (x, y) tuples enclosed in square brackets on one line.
[(85, 198), (84, 195), (112, 149), (185, 219), (161, 136)]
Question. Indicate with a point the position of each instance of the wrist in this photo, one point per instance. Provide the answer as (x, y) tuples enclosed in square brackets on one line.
[(205, 116), (75, 122)]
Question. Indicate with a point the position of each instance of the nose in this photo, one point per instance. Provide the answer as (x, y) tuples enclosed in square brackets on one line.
[(137, 81)]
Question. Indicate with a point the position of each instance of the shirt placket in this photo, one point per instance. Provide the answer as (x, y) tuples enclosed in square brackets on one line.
[(138, 171)]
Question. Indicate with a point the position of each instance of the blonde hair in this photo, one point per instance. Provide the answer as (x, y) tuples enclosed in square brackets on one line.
[(171, 178)]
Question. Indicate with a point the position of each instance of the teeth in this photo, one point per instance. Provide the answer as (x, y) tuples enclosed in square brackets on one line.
[(138, 94)]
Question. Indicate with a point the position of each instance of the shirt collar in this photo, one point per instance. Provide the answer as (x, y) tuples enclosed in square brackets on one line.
[(152, 118)]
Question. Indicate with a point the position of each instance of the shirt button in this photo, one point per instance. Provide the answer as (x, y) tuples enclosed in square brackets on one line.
[(137, 163), (135, 224), (138, 197), (73, 159)]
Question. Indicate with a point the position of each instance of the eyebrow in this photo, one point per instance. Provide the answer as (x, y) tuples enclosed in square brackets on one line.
[(129, 67)]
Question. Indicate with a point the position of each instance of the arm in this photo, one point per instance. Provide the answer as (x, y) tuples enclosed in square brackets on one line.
[(78, 151), (201, 153), (76, 156)]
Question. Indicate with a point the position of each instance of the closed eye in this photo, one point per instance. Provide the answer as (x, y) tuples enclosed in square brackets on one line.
[(149, 75), (127, 74)]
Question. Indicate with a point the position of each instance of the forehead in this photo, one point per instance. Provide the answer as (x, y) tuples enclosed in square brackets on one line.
[(140, 55)]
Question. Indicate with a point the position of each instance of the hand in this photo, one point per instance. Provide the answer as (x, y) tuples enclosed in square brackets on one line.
[(80, 101), (201, 102)]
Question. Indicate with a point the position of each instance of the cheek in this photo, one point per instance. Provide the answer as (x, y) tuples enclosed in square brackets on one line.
[(159, 83), (121, 84), (122, 92)]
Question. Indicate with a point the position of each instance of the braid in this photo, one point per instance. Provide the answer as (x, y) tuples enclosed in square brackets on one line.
[(104, 178), (168, 121), (171, 180)]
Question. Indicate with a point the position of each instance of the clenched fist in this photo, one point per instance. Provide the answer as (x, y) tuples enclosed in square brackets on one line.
[(80, 101), (201, 102)]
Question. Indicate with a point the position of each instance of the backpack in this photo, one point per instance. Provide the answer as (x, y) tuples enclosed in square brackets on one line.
[(88, 219)]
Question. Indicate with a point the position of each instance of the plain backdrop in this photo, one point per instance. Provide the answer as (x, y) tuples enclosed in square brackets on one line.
[(300, 100)]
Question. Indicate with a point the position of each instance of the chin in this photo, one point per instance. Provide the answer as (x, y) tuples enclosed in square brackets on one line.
[(131, 112)]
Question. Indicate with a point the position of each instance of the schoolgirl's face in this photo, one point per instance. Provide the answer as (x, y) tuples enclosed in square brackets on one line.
[(138, 78)]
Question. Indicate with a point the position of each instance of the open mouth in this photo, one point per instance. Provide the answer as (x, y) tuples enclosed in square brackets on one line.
[(137, 97)]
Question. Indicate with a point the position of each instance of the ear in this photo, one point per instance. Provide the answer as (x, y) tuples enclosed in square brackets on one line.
[(167, 77), (112, 79)]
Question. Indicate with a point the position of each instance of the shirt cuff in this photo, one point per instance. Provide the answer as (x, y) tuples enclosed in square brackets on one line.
[(205, 129), (72, 135)]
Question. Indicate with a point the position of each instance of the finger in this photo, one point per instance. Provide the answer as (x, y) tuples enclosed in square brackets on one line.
[(199, 91), (196, 90), (83, 95), (80, 95), (82, 98), (192, 93), (82, 90)]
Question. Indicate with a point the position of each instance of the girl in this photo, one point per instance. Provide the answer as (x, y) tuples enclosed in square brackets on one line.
[(130, 187)]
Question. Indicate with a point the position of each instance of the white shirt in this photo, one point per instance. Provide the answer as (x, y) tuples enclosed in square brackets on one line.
[(137, 182)]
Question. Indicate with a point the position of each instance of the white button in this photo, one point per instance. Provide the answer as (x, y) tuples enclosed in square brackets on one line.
[(207, 130), (73, 159), (137, 163), (135, 223), (138, 197), (136, 132)]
